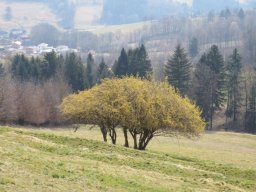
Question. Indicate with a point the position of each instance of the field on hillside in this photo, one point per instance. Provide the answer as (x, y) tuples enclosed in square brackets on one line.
[(26, 15), (64, 160)]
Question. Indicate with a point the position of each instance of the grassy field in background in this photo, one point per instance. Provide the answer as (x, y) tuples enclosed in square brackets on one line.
[(64, 160), (26, 15)]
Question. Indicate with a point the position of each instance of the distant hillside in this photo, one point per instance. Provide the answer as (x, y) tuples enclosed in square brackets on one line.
[(60, 13), (205, 6), (26, 15), (121, 12), (129, 11)]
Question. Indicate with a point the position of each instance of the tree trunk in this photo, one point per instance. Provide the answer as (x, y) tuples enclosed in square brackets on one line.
[(211, 115), (145, 140), (135, 141), (104, 133), (112, 134), (126, 141)]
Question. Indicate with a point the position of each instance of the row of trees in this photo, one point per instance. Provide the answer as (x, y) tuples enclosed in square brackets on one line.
[(212, 83), (64, 74), (31, 89), (133, 63), (143, 108), (215, 84), (70, 67)]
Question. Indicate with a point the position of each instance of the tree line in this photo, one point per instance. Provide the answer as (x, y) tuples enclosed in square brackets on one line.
[(215, 85), (212, 83), (32, 88)]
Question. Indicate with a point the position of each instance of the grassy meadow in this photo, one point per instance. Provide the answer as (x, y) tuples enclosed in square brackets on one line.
[(64, 160)]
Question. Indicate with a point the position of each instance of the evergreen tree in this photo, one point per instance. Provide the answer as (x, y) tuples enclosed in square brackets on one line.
[(212, 75), (75, 72), (250, 115), (211, 16), (201, 86), (178, 71), (54, 63), (121, 66), (133, 62), (241, 14), (8, 14), (233, 79), (90, 71), (144, 67), (103, 71), (193, 47), (138, 62), (20, 67), (2, 70)]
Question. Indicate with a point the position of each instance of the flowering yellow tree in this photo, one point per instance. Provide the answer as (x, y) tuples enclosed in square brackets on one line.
[(143, 108)]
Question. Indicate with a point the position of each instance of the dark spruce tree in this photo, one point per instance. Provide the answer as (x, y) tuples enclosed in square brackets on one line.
[(193, 47), (8, 14), (54, 63), (138, 62), (250, 114), (75, 72), (103, 71), (241, 14), (211, 89), (178, 70), (201, 86), (144, 63), (90, 71), (121, 66), (21, 68), (234, 98)]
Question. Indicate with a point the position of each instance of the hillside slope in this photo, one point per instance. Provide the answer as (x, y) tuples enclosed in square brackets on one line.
[(26, 15), (59, 160)]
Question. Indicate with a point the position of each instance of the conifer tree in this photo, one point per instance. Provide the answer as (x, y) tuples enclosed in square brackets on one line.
[(138, 62), (121, 66), (90, 71), (193, 47), (54, 63), (241, 14), (144, 63), (210, 89), (178, 70), (233, 85), (103, 71), (75, 72), (250, 115)]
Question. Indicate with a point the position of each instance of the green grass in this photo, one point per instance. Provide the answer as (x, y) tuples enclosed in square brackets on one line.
[(61, 160)]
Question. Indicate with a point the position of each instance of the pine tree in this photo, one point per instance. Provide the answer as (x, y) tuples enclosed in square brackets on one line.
[(250, 115), (193, 47), (178, 71), (144, 67), (90, 71), (54, 63), (75, 72), (121, 66), (21, 68), (201, 86), (138, 62), (241, 14), (8, 14), (133, 61), (211, 73), (103, 71), (233, 87)]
